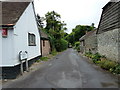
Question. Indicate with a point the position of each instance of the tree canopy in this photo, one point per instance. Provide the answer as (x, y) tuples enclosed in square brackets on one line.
[(55, 28), (78, 32), (54, 25)]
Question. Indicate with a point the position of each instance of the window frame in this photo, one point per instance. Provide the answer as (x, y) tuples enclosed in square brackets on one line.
[(31, 39)]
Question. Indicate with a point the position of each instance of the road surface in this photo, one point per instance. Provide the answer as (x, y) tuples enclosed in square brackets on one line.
[(66, 70)]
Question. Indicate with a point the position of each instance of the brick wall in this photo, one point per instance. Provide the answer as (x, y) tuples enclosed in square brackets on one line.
[(45, 47)]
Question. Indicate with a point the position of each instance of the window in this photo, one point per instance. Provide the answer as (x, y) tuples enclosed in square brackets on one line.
[(31, 39), (4, 33)]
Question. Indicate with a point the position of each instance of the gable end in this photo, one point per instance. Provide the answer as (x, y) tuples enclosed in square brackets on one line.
[(110, 17)]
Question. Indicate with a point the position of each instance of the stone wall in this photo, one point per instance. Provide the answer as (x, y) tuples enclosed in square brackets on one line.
[(108, 44), (91, 43)]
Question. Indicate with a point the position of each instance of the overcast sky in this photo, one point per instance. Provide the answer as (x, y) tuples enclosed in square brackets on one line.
[(73, 12)]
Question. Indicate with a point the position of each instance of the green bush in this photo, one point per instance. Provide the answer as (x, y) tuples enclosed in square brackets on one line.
[(52, 42), (64, 44), (96, 57), (61, 45), (88, 54), (117, 69), (102, 61), (108, 65), (77, 46)]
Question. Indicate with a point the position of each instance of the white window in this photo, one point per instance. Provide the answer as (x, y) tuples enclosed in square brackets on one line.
[(31, 39)]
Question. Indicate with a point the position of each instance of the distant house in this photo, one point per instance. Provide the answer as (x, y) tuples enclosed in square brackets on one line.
[(108, 33), (88, 42), (45, 44), (19, 32)]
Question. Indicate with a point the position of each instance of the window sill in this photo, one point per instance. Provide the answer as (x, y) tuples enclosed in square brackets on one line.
[(31, 45)]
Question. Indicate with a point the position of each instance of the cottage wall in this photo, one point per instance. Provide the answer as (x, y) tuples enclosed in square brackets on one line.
[(0, 47), (26, 24), (108, 44), (45, 47), (8, 49)]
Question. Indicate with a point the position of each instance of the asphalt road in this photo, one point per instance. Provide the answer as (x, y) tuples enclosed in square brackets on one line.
[(66, 70)]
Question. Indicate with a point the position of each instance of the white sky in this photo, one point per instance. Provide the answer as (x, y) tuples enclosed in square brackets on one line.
[(73, 12)]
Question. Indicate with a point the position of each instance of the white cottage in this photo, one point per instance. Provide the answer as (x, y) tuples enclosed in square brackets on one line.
[(18, 32)]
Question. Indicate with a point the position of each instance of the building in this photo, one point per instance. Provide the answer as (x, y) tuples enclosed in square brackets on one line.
[(19, 32), (88, 42), (108, 33), (45, 44)]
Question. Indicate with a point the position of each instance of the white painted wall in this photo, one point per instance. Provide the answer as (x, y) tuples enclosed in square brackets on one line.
[(7, 49), (0, 47), (26, 24), (17, 39)]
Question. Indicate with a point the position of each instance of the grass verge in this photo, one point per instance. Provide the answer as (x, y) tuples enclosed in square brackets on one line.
[(46, 58)]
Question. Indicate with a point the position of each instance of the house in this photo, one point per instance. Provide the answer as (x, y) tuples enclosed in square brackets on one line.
[(18, 33), (88, 42), (108, 33), (45, 44)]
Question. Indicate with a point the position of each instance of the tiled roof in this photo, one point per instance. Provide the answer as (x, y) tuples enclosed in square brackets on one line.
[(11, 12), (43, 35), (87, 35)]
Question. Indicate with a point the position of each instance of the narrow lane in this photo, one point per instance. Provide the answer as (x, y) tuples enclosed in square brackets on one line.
[(66, 70)]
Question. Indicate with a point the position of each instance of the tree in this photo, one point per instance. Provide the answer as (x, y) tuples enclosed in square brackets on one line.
[(40, 21), (53, 24), (56, 29), (77, 33), (93, 25)]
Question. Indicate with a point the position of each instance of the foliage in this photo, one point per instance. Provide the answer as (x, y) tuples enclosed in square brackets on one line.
[(77, 46), (88, 54), (77, 33), (117, 69), (52, 42), (70, 38), (96, 57), (38, 61), (64, 44), (107, 64), (44, 58), (55, 28), (61, 45), (104, 63), (40, 21), (54, 52)]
